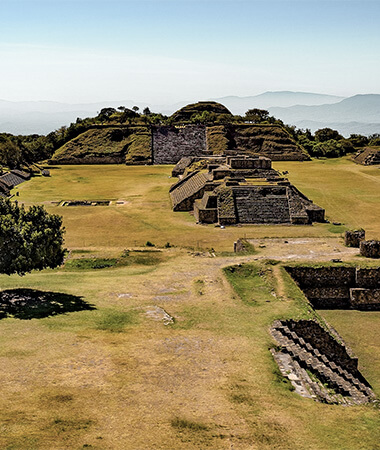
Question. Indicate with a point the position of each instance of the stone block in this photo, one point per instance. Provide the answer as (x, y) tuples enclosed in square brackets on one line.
[(368, 278), (365, 299), (353, 238), (370, 249)]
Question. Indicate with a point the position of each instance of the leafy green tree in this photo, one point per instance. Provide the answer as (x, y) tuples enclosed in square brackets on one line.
[(331, 148), (10, 153), (374, 139), (326, 134), (29, 239), (257, 115), (106, 113), (357, 140)]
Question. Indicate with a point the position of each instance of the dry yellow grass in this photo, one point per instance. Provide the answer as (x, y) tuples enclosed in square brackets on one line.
[(114, 378), (207, 381), (349, 192)]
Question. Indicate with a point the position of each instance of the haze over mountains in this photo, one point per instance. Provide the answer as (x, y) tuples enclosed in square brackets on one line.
[(357, 114)]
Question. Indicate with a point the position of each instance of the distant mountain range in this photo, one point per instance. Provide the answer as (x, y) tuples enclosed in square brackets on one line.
[(357, 114)]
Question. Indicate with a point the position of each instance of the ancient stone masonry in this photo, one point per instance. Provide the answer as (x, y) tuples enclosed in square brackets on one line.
[(171, 143), (370, 249), (167, 144), (318, 365), (186, 191), (353, 238), (368, 157), (339, 287), (4, 189), (239, 189), (11, 179)]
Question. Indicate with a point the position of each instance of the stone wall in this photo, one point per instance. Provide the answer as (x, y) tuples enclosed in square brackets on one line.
[(242, 246), (370, 249), (365, 299), (339, 287), (368, 278), (205, 215), (323, 276), (262, 204), (353, 238), (249, 163), (325, 287), (170, 143), (89, 159)]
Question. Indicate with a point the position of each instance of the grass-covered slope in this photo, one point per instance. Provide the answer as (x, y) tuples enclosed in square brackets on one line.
[(186, 113), (272, 141), (111, 145), (217, 141)]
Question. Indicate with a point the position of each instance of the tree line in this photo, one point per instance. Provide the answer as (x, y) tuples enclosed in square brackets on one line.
[(16, 151)]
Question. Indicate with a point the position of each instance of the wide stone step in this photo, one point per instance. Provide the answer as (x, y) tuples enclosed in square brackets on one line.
[(327, 371), (292, 336)]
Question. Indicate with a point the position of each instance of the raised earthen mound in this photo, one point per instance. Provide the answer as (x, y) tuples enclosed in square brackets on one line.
[(368, 157), (108, 145), (184, 114), (271, 141)]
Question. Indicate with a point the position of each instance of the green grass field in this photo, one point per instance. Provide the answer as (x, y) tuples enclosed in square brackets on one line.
[(105, 373), (146, 216)]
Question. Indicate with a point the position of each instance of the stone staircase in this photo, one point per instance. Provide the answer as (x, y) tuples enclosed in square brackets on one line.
[(187, 190), (14, 178), (261, 205), (315, 373)]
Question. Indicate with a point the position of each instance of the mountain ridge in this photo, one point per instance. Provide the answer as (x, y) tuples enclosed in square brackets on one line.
[(359, 113)]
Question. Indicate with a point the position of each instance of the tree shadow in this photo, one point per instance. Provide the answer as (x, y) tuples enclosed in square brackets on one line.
[(28, 304)]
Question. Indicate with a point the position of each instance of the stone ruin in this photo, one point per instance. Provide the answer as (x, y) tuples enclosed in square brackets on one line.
[(239, 189), (339, 287), (370, 249), (10, 180), (85, 203), (315, 358), (318, 364), (369, 156), (353, 238), (171, 143)]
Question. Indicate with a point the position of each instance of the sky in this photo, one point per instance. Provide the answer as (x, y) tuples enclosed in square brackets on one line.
[(83, 51)]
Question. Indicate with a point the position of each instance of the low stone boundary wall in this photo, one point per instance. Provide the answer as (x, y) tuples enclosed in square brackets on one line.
[(367, 299), (339, 287), (370, 249), (353, 238)]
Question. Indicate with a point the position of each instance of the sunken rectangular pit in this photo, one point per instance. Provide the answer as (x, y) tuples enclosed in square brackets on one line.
[(85, 203), (339, 287)]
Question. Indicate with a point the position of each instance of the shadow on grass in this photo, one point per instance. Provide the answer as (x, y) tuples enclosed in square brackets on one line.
[(28, 304)]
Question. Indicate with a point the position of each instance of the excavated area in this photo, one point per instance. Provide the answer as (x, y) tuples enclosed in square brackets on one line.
[(315, 358), (317, 364), (85, 203), (339, 287)]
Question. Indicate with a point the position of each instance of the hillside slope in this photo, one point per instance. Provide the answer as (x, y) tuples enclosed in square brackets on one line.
[(111, 145)]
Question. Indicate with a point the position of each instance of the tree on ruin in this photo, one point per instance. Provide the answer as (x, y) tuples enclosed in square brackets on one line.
[(257, 115)]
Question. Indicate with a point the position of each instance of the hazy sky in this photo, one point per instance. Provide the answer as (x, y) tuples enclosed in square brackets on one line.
[(165, 51)]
